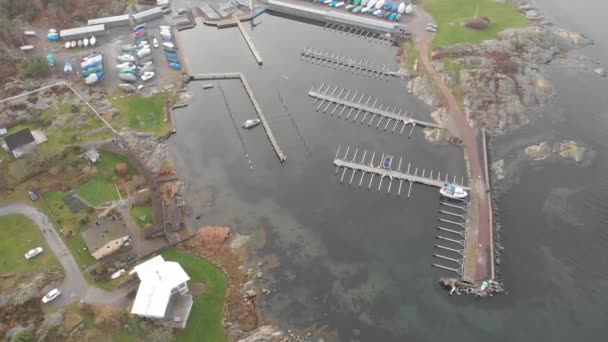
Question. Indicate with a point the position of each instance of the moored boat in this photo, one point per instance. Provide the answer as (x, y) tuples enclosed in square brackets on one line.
[(453, 191), (251, 123)]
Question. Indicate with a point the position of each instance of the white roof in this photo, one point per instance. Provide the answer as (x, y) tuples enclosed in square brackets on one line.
[(158, 277)]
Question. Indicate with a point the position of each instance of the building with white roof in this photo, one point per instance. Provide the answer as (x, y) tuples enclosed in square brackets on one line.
[(162, 293)]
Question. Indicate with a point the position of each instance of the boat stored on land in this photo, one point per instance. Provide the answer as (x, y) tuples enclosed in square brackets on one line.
[(453, 191), (401, 8), (93, 40), (26, 47)]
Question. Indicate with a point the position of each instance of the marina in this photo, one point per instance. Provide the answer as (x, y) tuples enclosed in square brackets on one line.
[(342, 62)]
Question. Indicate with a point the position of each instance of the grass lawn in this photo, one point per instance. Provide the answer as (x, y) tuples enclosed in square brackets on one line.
[(101, 188), (18, 234), (205, 322), (145, 114), (449, 14), (142, 211), (69, 222)]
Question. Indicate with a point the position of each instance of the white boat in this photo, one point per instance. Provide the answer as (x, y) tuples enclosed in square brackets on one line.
[(401, 8), (365, 10), (79, 43), (148, 75), (339, 4), (92, 41), (117, 273), (409, 9), (169, 45), (327, 2), (376, 12), (52, 30), (453, 191), (85, 42), (30, 33), (207, 85), (372, 3), (73, 44), (26, 47), (67, 45), (251, 123), (126, 65), (379, 4)]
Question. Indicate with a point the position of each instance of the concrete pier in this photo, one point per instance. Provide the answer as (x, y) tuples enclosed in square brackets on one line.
[(252, 47), (256, 106)]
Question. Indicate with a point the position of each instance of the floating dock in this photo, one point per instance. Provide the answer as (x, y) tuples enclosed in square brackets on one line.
[(252, 47), (366, 105), (355, 64), (256, 106), (384, 169)]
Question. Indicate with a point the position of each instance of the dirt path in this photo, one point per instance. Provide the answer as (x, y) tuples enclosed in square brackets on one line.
[(74, 286), (470, 138)]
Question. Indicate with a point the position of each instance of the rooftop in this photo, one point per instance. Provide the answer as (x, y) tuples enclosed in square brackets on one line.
[(18, 139), (158, 280), (94, 29), (104, 231)]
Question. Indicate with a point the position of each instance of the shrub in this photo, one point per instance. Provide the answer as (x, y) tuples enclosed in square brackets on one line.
[(477, 23), (35, 67)]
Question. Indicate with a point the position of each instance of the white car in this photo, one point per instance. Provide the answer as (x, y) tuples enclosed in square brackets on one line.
[(148, 75), (155, 42), (33, 252), (52, 295), (431, 29)]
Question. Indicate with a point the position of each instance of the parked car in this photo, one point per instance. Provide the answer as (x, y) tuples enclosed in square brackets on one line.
[(155, 42), (431, 29), (148, 75), (52, 295), (126, 58), (32, 195), (181, 11), (33, 252)]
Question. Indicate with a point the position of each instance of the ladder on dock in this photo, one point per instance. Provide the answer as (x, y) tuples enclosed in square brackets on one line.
[(342, 62), (364, 106), (384, 169)]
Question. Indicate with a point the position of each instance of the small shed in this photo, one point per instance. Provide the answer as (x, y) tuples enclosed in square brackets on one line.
[(150, 14), (92, 156)]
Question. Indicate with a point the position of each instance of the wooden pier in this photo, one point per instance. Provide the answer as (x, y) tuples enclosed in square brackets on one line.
[(364, 105), (357, 65), (384, 169), (256, 106)]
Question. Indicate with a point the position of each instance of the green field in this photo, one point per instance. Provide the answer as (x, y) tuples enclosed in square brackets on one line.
[(18, 234), (142, 211), (146, 114), (101, 189), (449, 15), (205, 322)]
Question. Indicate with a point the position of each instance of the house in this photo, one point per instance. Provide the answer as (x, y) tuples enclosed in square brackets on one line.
[(20, 143), (92, 156), (163, 292), (105, 237)]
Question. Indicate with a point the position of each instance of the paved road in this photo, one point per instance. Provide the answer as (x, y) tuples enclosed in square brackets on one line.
[(73, 286), (469, 136)]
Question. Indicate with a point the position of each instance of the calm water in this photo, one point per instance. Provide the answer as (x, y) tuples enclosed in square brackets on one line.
[(351, 258)]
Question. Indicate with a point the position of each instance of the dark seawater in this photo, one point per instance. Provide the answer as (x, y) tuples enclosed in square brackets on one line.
[(357, 259)]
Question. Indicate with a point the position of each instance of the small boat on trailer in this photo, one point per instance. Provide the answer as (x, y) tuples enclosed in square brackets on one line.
[(207, 85), (453, 191)]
